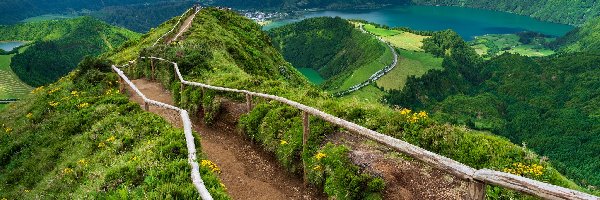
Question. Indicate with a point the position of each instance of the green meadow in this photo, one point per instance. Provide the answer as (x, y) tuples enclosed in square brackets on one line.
[(10, 85), (497, 44), (410, 63), (366, 71), (399, 39), (48, 17)]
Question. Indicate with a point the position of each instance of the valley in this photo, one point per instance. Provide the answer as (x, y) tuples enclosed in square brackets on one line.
[(380, 100)]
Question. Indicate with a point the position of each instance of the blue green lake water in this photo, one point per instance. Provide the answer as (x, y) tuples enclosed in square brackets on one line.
[(8, 46), (468, 22), (312, 75)]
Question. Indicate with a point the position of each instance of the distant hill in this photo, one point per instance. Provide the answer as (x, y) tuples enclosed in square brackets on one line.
[(582, 39), (80, 138), (331, 46), (550, 104), (574, 12), (58, 46), (16, 10), (296, 4)]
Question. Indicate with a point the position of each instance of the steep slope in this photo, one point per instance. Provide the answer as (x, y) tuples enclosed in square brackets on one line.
[(57, 46), (79, 138), (300, 4), (582, 39), (560, 11), (549, 103), (331, 46), (224, 49), (14, 11)]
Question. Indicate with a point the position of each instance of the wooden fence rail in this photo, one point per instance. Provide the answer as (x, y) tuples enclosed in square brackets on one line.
[(477, 178), (187, 129)]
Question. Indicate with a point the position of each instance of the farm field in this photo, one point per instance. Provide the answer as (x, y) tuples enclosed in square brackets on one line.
[(381, 31), (368, 94), (496, 44), (10, 85), (399, 39), (409, 64), (366, 71), (48, 17)]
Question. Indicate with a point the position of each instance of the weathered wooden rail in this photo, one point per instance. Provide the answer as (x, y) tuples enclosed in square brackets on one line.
[(187, 129), (7, 101), (174, 27), (477, 178)]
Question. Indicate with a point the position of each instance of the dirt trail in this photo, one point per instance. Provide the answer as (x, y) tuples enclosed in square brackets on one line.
[(405, 177), (248, 172), (183, 28)]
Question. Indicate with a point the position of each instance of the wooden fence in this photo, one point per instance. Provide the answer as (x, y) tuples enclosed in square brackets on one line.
[(477, 178), (187, 129)]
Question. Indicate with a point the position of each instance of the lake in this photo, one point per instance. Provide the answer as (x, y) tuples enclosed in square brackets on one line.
[(468, 22), (312, 75), (8, 46)]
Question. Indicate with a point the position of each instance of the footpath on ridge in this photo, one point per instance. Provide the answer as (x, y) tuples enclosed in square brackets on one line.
[(247, 171)]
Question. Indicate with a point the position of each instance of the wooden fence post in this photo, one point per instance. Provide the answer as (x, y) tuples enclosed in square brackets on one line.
[(121, 85), (249, 102), (152, 64), (305, 135), (146, 106), (181, 92), (476, 190)]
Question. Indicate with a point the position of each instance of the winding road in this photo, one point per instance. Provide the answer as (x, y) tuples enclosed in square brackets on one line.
[(377, 75)]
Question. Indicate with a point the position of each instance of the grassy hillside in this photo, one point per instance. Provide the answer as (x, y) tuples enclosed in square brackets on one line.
[(574, 12), (410, 64), (397, 38), (334, 47), (525, 43), (205, 56), (59, 45), (10, 85), (79, 138), (583, 39), (548, 103)]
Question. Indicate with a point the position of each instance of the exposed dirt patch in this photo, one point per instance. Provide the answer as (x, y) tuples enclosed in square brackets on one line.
[(182, 29), (251, 173), (405, 178), (247, 171)]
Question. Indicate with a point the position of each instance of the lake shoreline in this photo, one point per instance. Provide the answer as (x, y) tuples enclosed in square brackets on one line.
[(435, 18)]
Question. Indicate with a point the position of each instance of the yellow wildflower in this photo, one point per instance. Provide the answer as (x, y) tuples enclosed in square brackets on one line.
[(83, 105), (317, 168), (108, 92), (423, 114), (75, 93), (414, 119), (405, 111), (29, 115), (213, 167), (27, 191), (53, 90), (82, 162), (8, 130), (67, 170), (101, 145), (36, 90), (223, 186), (53, 103), (283, 142), (134, 158), (320, 155), (111, 139)]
